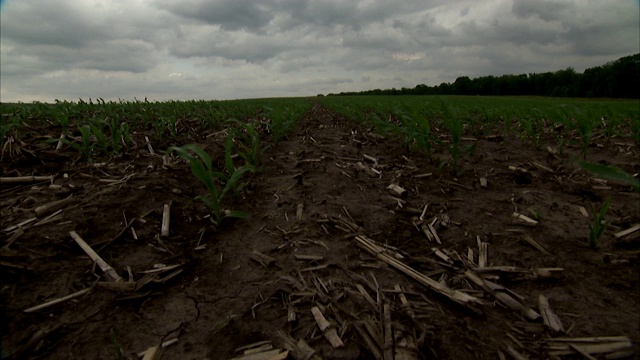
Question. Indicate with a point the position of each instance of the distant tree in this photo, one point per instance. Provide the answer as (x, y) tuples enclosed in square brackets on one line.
[(625, 77), (618, 79), (462, 86)]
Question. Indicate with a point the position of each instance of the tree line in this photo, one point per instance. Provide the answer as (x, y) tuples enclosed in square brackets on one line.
[(617, 79)]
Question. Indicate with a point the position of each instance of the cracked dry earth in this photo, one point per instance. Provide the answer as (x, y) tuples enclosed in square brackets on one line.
[(318, 189)]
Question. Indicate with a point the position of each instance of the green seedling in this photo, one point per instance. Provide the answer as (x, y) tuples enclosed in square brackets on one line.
[(116, 344), (535, 213), (247, 142), (125, 135), (562, 144), (120, 137), (584, 126), (416, 129), (202, 169), (101, 138), (611, 173), (115, 141), (84, 147), (635, 127), (281, 122), (230, 167), (170, 123), (585, 130), (249, 146), (8, 129), (533, 127), (62, 119), (598, 225), (455, 126)]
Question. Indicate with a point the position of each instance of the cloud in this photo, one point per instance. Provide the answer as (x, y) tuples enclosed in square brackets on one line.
[(544, 9), (228, 14), (239, 48), (236, 45), (49, 23)]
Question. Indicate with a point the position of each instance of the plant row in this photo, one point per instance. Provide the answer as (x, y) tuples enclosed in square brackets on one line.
[(429, 122), (103, 129)]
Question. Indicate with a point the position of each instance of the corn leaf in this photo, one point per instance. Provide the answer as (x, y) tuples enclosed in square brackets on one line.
[(611, 173), (237, 214)]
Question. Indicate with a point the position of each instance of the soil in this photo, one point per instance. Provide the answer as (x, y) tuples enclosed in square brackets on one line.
[(218, 298)]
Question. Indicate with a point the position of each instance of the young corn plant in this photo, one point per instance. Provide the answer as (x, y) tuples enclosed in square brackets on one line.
[(416, 129), (230, 167), (101, 138), (84, 147), (62, 118), (584, 126), (120, 136), (635, 128), (281, 122), (247, 143), (116, 344), (454, 123), (170, 123), (533, 127), (598, 225), (249, 146), (202, 169), (562, 143), (8, 135)]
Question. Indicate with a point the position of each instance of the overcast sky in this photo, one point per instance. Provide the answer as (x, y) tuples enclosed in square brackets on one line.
[(228, 49)]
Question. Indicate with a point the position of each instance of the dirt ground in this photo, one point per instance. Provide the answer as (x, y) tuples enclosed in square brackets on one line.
[(320, 192)]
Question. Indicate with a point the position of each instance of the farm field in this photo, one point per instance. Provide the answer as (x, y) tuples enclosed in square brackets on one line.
[(418, 227)]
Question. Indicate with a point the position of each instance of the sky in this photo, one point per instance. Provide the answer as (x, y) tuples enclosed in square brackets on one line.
[(233, 49)]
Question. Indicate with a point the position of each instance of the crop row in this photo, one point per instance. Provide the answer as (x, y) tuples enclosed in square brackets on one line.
[(103, 129), (420, 119), (430, 123)]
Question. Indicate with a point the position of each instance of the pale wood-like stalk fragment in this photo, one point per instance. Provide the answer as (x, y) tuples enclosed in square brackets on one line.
[(380, 253), (524, 218), (153, 353), (550, 319), (108, 270), (505, 298), (24, 179), (58, 300), (329, 332), (52, 206), (630, 230), (299, 210), (166, 219), (396, 190)]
